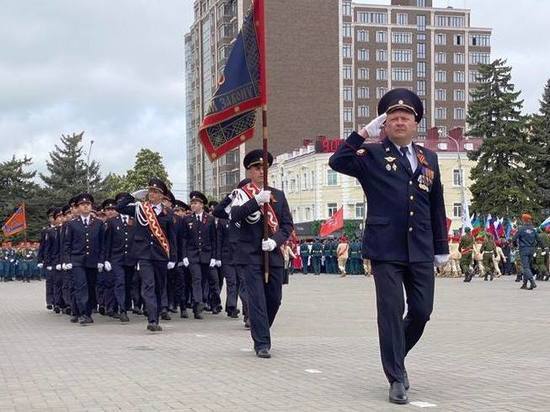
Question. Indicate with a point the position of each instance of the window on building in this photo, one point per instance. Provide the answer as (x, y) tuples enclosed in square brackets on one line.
[(458, 40), (382, 36), (363, 92), (402, 55), (363, 111), (348, 115), (381, 55), (363, 73), (459, 113), (312, 179), (440, 39), (440, 113), (457, 210), (362, 36), (421, 51), (348, 94), (402, 19), (363, 54), (380, 91), (401, 74), (346, 51), (441, 94), (359, 210), (459, 95), (421, 22), (332, 178), (306, 182), (449, 21), (420, 3), (346, 30), (479, 58), (458, 58), (421, 69), (421, 37), (347, 131), (441, 58), (346, 71), (372, 17), (401, 37), (458, 77), (332, 208), (440, 76), (421, 87), (381, 74), (422, 126), (483, 40), (346, 8), (308, 214), (473, 76)]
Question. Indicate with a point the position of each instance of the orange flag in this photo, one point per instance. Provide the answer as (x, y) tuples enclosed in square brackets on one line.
[(16, 223), (336, 222)]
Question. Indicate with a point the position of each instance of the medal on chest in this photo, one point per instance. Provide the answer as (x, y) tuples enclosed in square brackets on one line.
[(390, 163)]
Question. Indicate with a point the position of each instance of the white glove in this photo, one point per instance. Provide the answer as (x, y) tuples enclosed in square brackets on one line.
[(40, 265), (58, 266), (100, 267), (171, 265), (108, 266), (263, 197), (218, 263), (140, 194), (49, 268), (535, 254), (185, 262), (212, 263), (69, 266), (268, 245), (180, 264), (441, 260), (373, 128)]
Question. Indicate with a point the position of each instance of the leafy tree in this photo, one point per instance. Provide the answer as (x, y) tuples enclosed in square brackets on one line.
[(315, 227), (540, 140), (148, 164), (503, 182), (351, 229), (69, 173)]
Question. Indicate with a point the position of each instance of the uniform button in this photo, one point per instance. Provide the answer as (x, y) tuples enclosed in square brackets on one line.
[(410, 182), (87, 253), (411, 213), (410, 229), (412, 197), (151, 242)]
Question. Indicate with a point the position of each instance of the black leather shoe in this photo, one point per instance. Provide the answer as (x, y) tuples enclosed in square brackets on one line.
[(137, 311), (154, 327), (56, 309), (102, 310), (74, 319), (165, 316), (124, 317), (233, 314), (85, 320), (67, 311), (198, 315), (398, 394), (215, 311), (49, 307), (184, 314), (263, 353), (406, 381), (172, 309), (524, 286), (532, 286)]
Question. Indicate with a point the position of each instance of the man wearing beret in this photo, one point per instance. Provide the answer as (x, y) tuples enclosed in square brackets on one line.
[(84, 251), (405, 232), (526, 240), (154, 245), (200, 254), (247, 212)]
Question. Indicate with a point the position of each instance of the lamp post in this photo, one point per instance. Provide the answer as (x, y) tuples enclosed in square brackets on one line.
[(88, 167), (461, 171)]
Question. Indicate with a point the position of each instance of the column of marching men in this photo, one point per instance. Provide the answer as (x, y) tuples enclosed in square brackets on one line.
[(153, 258)]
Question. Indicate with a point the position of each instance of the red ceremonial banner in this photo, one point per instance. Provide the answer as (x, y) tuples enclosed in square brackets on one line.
[(16, 223), (336, 222)]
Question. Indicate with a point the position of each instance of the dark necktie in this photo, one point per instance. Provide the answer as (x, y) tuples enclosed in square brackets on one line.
[(404, 150)]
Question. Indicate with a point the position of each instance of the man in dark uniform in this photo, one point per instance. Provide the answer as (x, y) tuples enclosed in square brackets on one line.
[(200, 255), (183, 288), (83, 247), (42, 256), (527, 240), (116, 258), (304, 254), (405, 232), (247, 210), (316, 255), (154, 245), (53, 261)]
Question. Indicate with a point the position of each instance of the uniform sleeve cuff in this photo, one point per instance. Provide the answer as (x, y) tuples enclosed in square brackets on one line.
[(355, 140)]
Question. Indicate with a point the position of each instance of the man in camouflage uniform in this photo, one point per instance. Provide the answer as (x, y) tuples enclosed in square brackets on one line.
[(466, 249), (488, 249)]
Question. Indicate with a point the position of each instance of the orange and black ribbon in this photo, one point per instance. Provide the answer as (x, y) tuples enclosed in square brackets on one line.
[(155, 228)]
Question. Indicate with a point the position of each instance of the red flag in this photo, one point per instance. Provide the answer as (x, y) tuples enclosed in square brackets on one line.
[(336, 222), (16, 223), (231, 114)]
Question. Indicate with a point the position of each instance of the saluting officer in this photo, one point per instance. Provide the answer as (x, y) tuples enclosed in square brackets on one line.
[(264, 298), (154, 245), (83, 246), (116, 257), (200, 254), (405, 230)]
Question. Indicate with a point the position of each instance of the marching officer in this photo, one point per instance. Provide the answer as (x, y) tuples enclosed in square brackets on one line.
[(466, 249), (304, 253), (84, 251), (183, 286), (200, 255), (117, 257), (264, 295), (526, 240), (42, 257), (405, 231), (154, 245)]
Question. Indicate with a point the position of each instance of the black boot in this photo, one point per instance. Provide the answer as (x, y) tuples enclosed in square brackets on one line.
[(524, 285), (532, 285), (124, 317), (518, 278), (398, 394)]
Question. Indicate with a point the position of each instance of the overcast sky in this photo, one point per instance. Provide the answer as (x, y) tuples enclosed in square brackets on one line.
[(115, 69)]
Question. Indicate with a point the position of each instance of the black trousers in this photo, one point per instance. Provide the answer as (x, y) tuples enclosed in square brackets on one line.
[(230, 275), (84, 280), (153, 279), (264, 300), (58, 288), (49, 286), (398, 335), (204, 277), (118, 284)]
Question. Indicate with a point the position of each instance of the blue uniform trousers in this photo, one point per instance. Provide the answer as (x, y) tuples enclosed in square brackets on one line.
[(526, 263), (153, 278), (230, 276), (57, 276), (398, 335), (264, 300), (84, 283), (117, 282), (49, 286)]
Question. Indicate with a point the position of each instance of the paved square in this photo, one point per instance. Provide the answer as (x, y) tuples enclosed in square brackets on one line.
[(485, 349)]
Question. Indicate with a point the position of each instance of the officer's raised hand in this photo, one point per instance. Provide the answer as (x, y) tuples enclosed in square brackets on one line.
[(268, 245), (374, 128), (263, 197)]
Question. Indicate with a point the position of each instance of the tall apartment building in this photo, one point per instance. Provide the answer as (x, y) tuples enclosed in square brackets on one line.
[(302, 78), (432, 51)]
